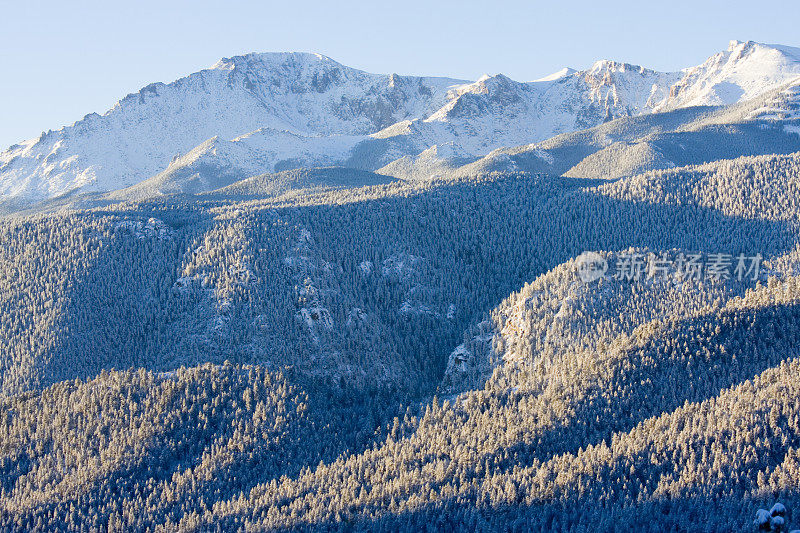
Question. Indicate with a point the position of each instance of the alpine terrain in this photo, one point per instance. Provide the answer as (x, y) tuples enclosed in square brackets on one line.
[(286, 294)]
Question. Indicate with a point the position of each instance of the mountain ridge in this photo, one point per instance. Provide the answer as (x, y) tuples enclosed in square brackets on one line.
[(292, 110)]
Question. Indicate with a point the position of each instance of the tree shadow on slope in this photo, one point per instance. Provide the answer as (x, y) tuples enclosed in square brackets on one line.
[(476, 245), (728, 141), (119, 307), (467, 245), (640, 225), (690, 361), (479, 241), (731, 512), (705, 468)]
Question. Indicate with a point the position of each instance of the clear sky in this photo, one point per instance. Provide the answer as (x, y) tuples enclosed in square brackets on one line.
[(63, 59)]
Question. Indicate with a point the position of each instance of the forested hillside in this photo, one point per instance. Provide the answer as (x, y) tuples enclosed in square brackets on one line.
[(334, 349)]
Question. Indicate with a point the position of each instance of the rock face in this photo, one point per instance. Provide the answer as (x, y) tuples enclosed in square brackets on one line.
[(269, 112)]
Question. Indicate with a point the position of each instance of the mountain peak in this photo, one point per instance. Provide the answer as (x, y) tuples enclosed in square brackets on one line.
[(745, 70), (735, 44), (610, 66), (742, 49), (274, 59), (308, 106), (563, 73)]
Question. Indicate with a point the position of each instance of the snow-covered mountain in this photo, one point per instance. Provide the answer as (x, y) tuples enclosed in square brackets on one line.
[(496, 111), (282, 101), (743, 71), (264, 112)]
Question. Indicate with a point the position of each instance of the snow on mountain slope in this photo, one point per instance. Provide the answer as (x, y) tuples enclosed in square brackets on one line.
[(436, 161), (745, 70), (496, 111), (566, 101), (783, 105), (216, 163), (566, 71), (272, 112), (300, 179), (765, 124), (302, 94)]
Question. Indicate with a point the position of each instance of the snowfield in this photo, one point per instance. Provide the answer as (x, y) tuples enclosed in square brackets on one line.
[(260, 113)]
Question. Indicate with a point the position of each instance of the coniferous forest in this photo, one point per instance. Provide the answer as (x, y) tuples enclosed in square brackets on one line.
[(417, 344)]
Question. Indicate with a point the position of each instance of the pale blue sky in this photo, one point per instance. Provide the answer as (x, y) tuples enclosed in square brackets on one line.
[(63, 59)]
